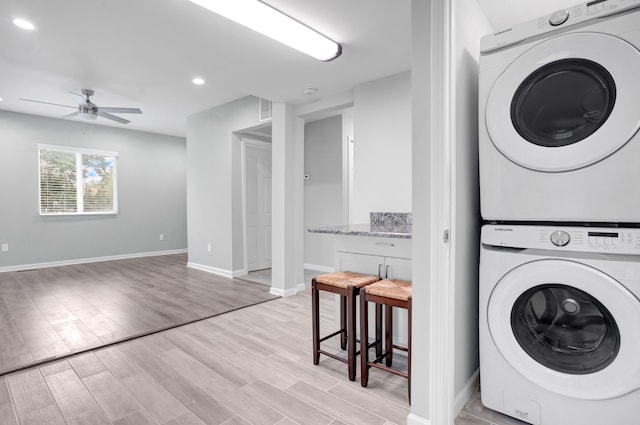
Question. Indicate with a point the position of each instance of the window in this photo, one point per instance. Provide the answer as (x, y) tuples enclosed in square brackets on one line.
[(77, 181)]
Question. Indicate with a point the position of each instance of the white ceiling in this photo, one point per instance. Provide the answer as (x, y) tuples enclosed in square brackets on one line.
[(144, 53)]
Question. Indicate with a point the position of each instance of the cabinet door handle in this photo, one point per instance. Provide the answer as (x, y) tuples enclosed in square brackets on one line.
[(385, 243), (380, 270), (386, 272)]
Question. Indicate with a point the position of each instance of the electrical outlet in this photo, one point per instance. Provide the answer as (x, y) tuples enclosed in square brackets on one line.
[(161, 237), (209, 247), (5, 247)]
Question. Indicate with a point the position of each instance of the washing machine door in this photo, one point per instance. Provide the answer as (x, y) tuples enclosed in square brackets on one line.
[(569, 328), (566, 103)]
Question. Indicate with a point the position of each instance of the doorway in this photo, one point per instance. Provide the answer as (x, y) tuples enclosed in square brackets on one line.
[(257, 209)]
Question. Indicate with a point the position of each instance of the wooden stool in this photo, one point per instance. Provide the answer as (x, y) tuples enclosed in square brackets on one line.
[(347, 285), (390, 293)]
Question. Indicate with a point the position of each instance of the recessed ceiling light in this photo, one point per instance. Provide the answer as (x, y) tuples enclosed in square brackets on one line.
[(24, 24), (268, 21), (198, 81), (1, 99)]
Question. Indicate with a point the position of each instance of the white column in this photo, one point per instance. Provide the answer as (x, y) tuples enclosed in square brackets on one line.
[(433, 291), (287, 201)]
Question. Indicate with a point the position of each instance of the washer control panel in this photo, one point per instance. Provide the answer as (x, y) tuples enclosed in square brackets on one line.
[(558, 19), (565, 238)]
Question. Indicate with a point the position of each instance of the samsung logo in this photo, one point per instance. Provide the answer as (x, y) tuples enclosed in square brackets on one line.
[(504, 229), (502, 32)]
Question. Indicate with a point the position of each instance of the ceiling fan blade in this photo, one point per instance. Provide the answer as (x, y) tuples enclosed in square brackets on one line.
[(120, 110), (112, 117), (49, 103), (72, 115)]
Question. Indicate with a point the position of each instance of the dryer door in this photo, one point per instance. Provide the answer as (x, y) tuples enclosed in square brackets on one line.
[(568, 328), (566, 103)]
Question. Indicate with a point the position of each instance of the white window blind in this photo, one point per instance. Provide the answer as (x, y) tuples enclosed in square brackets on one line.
[(77, 181)]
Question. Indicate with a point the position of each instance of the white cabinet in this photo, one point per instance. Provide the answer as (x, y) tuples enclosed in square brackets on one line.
[(383, 267), (383, 257)]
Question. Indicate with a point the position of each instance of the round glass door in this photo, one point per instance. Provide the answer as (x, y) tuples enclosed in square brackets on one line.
[(565, 329), (568, 328), (563, 102), (566, 103)]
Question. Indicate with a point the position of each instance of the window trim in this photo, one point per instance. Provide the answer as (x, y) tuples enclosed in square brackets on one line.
[(79, 189)]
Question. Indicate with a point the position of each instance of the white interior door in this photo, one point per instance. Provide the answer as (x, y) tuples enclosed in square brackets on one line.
[(257, 166)]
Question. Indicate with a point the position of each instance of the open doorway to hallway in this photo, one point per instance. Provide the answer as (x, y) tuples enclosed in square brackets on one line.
[(257, 211)]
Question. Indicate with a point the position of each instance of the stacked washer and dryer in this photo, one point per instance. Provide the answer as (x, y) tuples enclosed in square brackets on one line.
[(560, 193)]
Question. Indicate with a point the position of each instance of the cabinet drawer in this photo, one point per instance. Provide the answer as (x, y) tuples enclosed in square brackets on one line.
[(386, 247)]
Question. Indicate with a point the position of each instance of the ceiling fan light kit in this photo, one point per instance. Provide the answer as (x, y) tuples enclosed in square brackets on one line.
[(272, 23)]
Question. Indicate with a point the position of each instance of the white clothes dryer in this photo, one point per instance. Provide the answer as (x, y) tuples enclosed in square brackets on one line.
[(559, 113), (560, 324)]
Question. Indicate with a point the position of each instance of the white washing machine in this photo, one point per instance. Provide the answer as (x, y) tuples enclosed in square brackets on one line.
[(559, 117), (560, 324)]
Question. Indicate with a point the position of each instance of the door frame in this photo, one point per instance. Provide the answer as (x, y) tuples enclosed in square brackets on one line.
[(260, 145)]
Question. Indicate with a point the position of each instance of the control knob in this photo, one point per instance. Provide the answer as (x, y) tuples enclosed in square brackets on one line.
[(558, 18), (560, 238)]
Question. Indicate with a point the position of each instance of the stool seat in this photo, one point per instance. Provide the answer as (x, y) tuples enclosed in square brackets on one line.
[(391, 288), (346, 279), (347, 285)]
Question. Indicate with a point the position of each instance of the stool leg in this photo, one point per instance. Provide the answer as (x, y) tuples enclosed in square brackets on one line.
[(315, 320), (409, 351), (388, 340), (343, 322), (378, 337), (351, 332), (364, 340)]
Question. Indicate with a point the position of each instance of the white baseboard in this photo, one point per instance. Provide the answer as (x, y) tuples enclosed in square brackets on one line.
[(319, 268), (414, 419), (465, 394), (89, 260), (214, 270), (287, 293)]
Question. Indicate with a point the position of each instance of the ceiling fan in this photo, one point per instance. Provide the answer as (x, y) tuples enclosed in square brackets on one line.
[(90, 111)]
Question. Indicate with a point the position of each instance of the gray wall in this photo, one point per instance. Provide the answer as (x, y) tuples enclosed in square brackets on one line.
[(214, 185), (382, 152), (151, 193), (323, 191)]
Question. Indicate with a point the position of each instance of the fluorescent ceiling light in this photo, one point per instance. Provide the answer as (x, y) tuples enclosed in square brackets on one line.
[(198, 81), (25, 25), (266, 20)]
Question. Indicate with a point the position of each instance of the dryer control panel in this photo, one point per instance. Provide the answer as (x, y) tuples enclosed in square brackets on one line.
[(564, 238), (559, 18)]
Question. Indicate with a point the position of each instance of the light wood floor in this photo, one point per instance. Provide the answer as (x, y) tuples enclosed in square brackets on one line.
[(53, 312), (249, 366)]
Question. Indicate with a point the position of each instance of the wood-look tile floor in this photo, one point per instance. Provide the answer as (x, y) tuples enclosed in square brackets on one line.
[(53, 312), (249, 366)]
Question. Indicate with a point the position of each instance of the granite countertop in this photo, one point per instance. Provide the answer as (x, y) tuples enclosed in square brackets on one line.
[(386, 225), (359, 230)]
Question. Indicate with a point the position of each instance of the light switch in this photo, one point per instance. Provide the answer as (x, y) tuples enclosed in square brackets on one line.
[(5, 247)]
